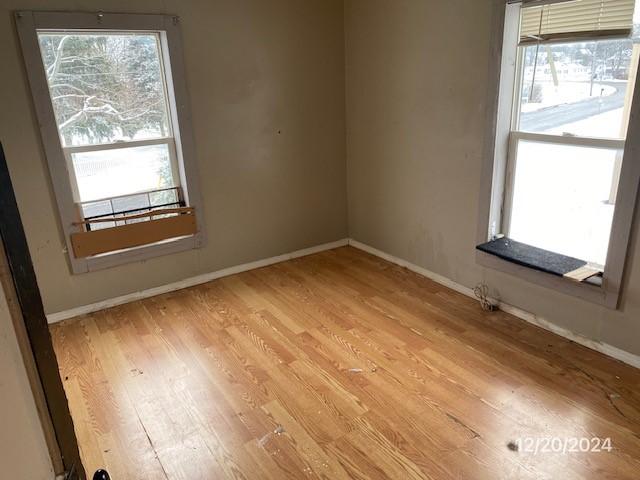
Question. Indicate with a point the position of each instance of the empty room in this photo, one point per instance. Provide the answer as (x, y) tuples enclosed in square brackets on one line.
[(337, 239)]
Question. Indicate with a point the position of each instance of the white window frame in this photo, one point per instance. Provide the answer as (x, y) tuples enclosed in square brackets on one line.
[(499, 159), (181, 143)]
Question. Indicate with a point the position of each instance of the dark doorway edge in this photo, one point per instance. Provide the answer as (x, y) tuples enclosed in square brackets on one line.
[(30, 305)]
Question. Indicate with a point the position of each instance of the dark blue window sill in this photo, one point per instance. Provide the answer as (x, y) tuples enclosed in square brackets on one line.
[(535, 258)]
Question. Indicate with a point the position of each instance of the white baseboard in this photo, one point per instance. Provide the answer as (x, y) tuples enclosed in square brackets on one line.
[(609, 350), (189, 282), (414, 268)]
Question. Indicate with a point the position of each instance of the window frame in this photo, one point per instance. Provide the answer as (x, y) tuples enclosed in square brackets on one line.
[(181, 144), (503, 68), (516, 135)]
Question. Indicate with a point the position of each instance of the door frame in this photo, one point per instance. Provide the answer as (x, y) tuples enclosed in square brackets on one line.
[(18, 279)]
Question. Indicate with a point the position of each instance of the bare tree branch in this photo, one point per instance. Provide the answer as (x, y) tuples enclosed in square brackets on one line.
[(67, 85), (52, 71)]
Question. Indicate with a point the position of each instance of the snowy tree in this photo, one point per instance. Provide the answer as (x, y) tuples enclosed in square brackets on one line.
[(105, 87)]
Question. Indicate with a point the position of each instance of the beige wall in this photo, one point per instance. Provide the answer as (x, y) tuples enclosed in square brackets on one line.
[(253, 69), (416, 96), (23, 451)]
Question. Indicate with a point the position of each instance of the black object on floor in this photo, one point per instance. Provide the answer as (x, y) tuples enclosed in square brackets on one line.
[(101, 475), (532, 257)]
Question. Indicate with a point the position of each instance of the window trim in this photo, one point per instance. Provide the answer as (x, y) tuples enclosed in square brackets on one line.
[(501, 85), (168, 27)]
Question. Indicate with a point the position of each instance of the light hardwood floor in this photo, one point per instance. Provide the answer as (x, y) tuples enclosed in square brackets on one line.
[(337, 365)]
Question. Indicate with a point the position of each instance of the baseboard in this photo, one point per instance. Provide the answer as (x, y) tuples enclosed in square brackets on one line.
[(609, 350), (189, 282), (414, 268)]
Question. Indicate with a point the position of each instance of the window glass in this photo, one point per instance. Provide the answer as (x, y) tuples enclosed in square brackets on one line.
[(561, 199), (105, 88), (115, 172), (129, 205), (163, 197), (576, 88), (97, 209)]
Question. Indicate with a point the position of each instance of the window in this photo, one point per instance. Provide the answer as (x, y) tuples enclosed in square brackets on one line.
[(110, 102), (567, 142), (115, 131), (562, 122)]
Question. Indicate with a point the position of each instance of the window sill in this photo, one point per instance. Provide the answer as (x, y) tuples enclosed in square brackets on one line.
[(136, 254), (538, 259), (540, 274)]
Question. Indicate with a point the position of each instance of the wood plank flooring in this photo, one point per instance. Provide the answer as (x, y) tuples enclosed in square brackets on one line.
[(338, 365)]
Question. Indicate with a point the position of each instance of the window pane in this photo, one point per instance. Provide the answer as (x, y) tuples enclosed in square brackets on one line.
[(129, 205), (164, 197), (132, 202), (105, 87), (576, 88), (122, 171), (96, 209), (561, 199)]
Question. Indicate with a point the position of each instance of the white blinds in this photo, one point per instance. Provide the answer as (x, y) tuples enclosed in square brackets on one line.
[(575, 19)]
